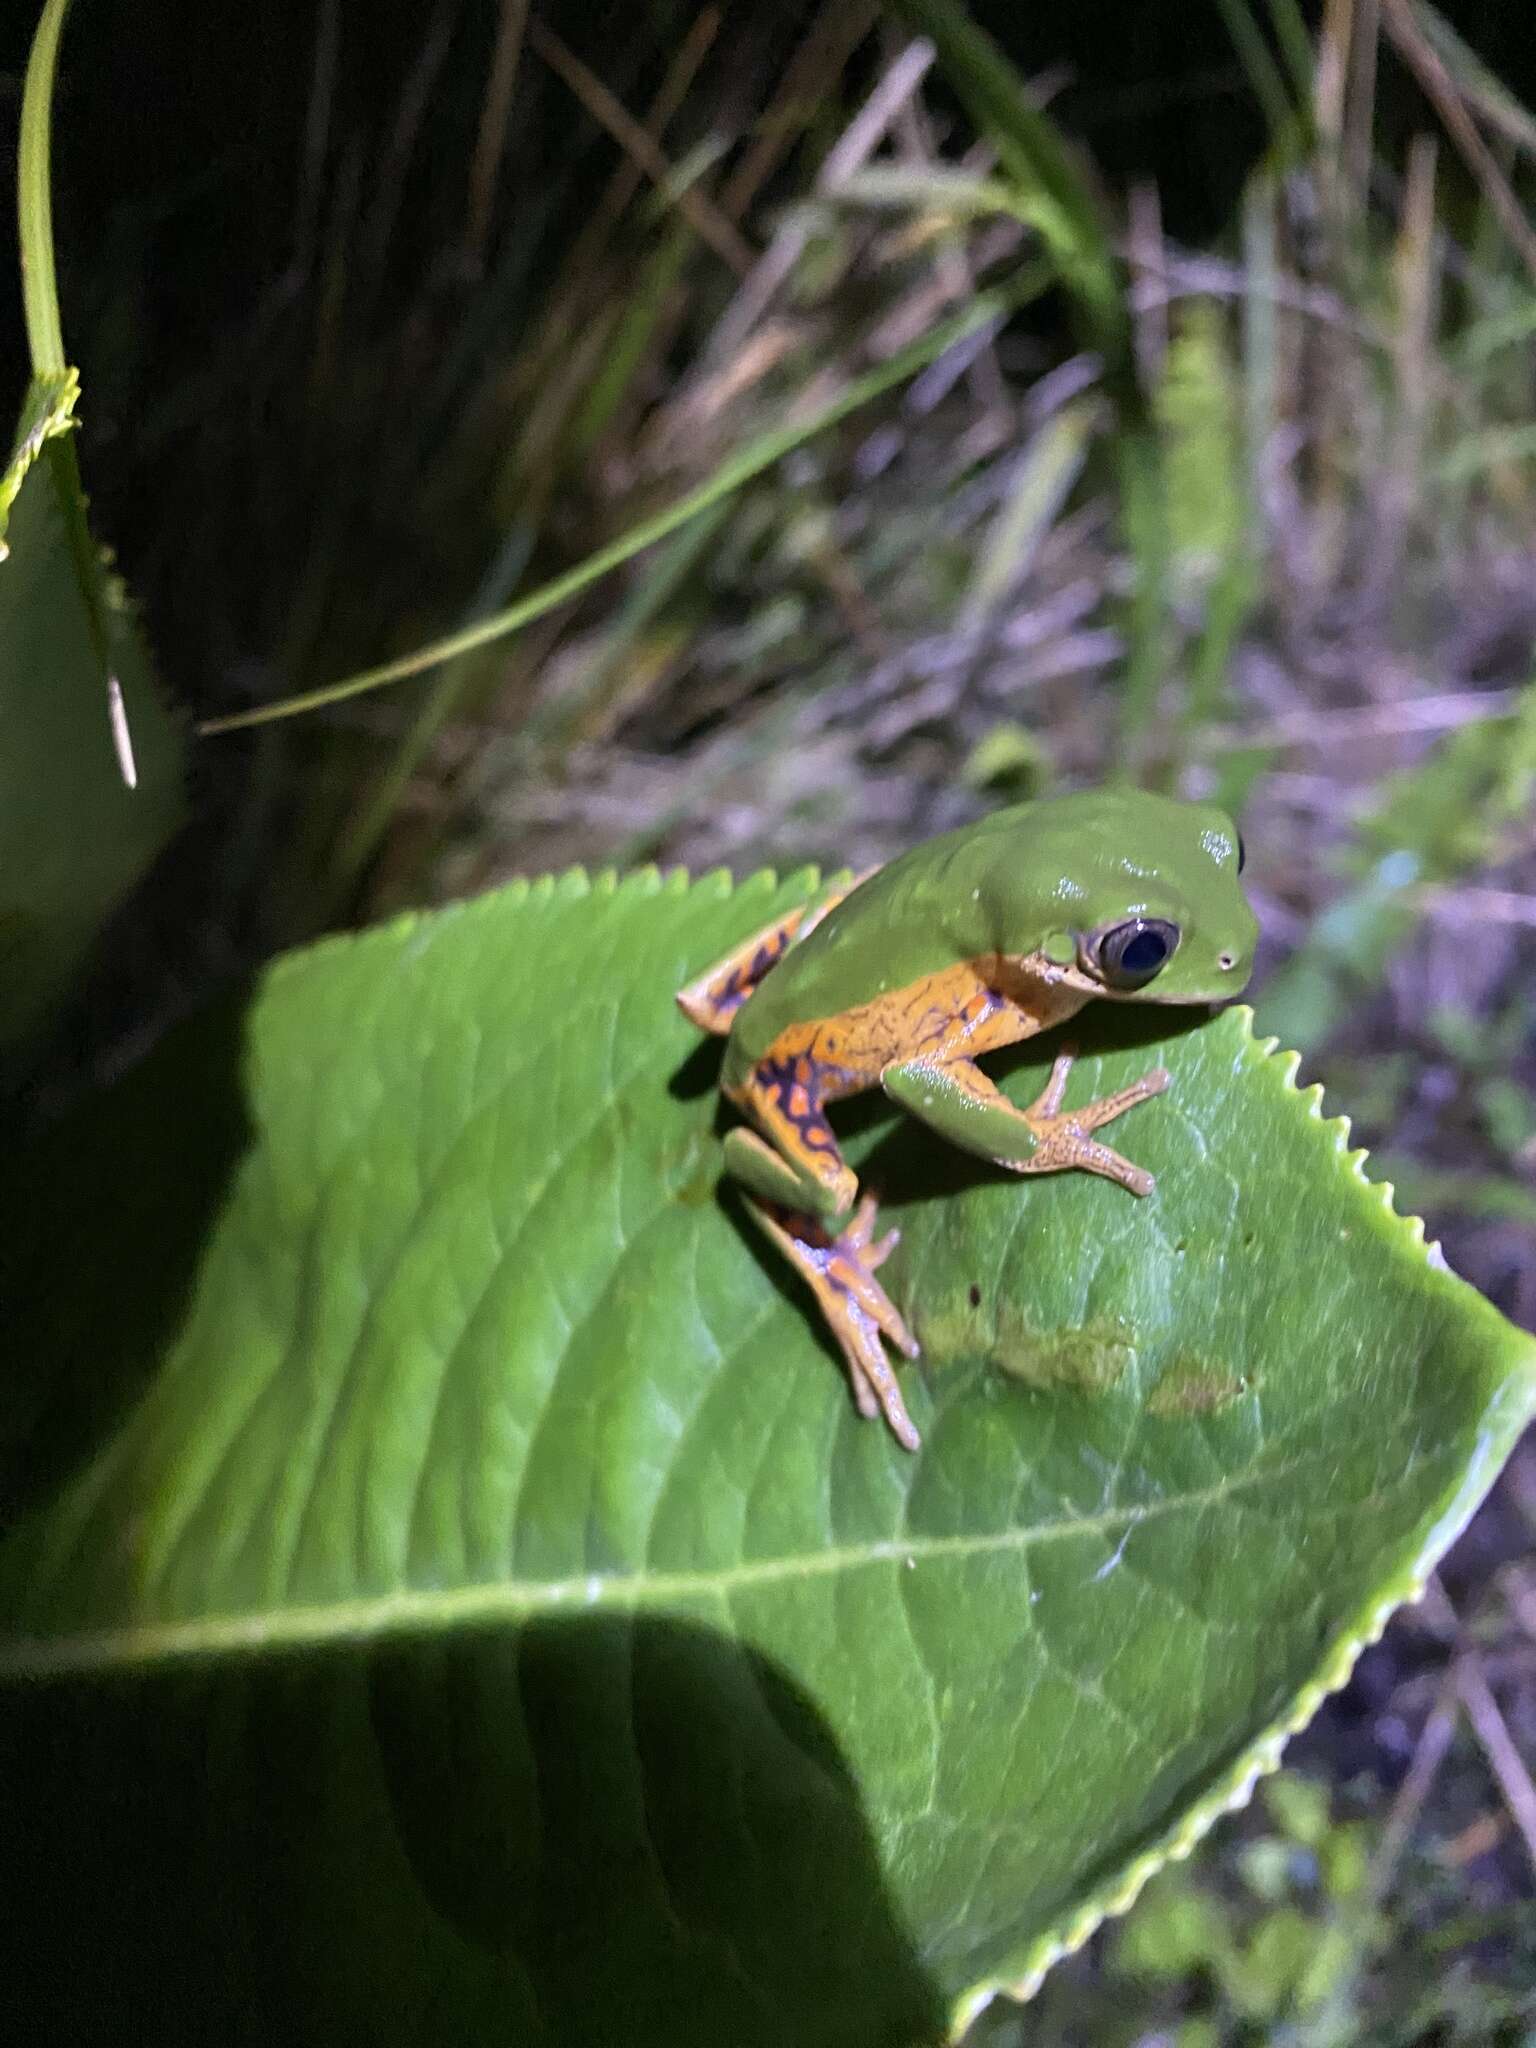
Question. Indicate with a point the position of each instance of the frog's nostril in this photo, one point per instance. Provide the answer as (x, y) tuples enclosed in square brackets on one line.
[(1226, 962)]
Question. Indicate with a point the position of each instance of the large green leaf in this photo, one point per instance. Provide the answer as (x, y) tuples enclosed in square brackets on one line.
[(456, 1600)]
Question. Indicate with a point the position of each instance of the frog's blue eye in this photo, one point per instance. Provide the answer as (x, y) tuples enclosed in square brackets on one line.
[(1128, 955), (1144, 954)]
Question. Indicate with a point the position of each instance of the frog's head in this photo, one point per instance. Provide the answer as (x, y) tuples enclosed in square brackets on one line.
[(1130, 896)]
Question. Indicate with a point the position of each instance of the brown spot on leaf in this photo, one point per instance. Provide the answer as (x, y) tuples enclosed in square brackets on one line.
[(1193, 1385), (1090, 1356)]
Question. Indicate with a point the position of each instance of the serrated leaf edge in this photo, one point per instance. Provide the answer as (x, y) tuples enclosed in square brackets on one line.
[(1262, 1757), (47, 409), (569, 885)]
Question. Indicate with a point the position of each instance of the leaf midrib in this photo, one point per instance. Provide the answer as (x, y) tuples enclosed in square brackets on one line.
[(422, 1610)]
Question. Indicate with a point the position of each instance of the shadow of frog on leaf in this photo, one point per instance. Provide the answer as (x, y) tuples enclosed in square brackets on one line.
[(593, 1830)]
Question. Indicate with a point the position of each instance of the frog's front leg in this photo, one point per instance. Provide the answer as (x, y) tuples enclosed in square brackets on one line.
[(958, 1100), (799, 1187)]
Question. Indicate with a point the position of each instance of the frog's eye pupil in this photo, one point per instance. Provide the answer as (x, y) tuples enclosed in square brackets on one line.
[(1144, 954), (1128, 955)]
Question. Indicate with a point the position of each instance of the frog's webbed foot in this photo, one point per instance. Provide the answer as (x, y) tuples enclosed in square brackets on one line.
[(1063, 1136), (839, 1266)]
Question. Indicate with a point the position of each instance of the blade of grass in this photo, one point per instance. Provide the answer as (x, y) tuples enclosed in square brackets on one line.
[(1062, 207), (490, 139), (1442, 91), (1295, 41), (389, 172), (1261, 327), (1042, 480), (1487, 92), (778, 261), (1414, 278), (317, 129), (740, 468), (1143, 489), (629, 175), (1056, 198), (34, 198), (1330, 78), (809, 79), (722, 235), (1360, 106), (946, 193), (630, 343), (1263, 72)]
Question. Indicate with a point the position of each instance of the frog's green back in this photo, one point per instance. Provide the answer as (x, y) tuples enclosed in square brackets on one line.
[(1003, 885)]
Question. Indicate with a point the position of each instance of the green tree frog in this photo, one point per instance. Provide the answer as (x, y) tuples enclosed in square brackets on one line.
[(964, 944)]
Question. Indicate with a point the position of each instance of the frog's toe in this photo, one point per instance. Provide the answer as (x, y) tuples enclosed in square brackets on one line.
[(879, 1250), (1069, 1147), (875, 1391), (857, 1240), (856, 1232), (1104, 1111), (1097, 1158), (865, 1399), (858, 1311), (872, 1301)]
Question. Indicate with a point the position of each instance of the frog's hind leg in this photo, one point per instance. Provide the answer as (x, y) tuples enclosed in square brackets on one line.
[(800, 1167), (798, 1186), (840, 1271), (712, 1001)]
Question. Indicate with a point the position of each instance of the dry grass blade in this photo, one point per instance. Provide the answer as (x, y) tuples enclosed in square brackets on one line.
[(1496, 104), (1441, 89), (1332, 72), (721, 234), (808, 80), (317, 128), (388, 175), (628, 175), (1360, 109), (1505, 1760), (777, 263), (494, 113), (1414, 266), (1429, 1753)]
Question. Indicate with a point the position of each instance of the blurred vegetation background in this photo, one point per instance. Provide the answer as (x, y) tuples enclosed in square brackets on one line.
[(1151, 392)]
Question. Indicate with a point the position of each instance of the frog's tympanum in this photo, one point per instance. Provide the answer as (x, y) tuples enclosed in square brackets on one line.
[(970, 942)]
